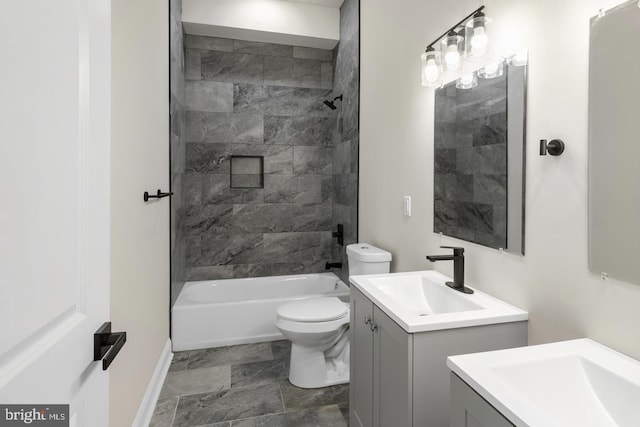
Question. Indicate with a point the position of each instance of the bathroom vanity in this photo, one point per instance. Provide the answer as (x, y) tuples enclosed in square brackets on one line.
[(403, 328)]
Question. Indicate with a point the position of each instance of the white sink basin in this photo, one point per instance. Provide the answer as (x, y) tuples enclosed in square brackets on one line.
[(570, 383), (420, 301)]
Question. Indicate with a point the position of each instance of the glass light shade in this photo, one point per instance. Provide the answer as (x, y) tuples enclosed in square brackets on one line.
[(453, 50), (492, 70), (431, 67), (467, 81), (477, 36)]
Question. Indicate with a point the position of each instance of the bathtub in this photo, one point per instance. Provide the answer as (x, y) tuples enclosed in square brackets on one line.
[(214, 313)]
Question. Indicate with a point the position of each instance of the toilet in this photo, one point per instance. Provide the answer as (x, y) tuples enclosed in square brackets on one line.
[(318, 328)]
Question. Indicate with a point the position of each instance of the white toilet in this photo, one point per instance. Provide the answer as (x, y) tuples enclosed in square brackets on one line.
[(318, 328)]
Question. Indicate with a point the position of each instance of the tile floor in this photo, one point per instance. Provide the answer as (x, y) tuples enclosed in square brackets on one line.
[(244, 385)]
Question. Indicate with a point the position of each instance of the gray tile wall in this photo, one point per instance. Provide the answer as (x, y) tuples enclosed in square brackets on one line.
[(257, 99), (346, 137), (177, 148), (471, 162)]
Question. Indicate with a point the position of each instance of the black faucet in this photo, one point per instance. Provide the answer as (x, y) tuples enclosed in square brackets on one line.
[(458, 268), (330, 265)]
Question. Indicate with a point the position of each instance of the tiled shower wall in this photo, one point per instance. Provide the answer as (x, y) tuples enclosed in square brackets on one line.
[(177, 148), (257, 99), (345, 153)]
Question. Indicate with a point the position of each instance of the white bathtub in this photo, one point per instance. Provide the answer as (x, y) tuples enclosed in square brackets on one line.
[(214, 313)]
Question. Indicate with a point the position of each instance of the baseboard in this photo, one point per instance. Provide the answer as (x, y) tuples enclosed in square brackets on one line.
[(148, 404)]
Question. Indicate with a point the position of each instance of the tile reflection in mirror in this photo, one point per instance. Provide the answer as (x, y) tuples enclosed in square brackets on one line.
[(479, 137)]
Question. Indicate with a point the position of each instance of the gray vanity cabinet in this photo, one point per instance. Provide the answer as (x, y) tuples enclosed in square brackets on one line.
[(361, 362), (381, 367), (469, 409), (401, 379)]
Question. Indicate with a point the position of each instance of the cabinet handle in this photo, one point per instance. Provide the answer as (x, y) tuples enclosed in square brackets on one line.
[(374, 327), (367, 320)]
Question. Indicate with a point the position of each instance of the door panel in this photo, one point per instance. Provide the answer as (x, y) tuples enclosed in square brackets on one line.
[(361, 386), (54, 221)]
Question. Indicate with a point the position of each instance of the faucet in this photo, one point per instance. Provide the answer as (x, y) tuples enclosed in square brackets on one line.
[(458, 268)]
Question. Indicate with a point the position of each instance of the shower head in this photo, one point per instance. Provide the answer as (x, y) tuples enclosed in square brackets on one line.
[(331, 104)]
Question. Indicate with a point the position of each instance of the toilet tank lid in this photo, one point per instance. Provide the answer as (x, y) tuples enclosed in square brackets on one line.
[(322, 309), (367, 253)]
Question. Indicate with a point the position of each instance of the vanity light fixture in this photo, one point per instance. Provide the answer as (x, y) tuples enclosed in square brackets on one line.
[(431, 67), (467, 40), (476, 32), (453, 46)]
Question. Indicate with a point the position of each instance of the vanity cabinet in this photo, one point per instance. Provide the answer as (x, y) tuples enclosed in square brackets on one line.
[(381, 364), (469, 409), (401, 379)]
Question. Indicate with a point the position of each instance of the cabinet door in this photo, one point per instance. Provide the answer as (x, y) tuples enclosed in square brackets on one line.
[(393, 373), (361, 363), (469, 409)]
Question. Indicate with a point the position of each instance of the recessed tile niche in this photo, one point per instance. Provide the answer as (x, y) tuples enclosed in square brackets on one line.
[(247, 171)]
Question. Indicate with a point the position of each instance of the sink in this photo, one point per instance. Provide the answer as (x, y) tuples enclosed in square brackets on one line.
[(569, 383), (417, 292), (420, 301)]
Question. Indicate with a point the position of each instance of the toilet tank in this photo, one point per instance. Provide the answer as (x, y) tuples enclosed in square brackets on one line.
[(367, 259)]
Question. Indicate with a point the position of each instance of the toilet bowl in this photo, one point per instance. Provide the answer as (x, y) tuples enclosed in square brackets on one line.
[(318, 328)]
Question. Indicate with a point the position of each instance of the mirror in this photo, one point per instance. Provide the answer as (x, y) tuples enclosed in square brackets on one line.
[(479, 138), (614, 143)]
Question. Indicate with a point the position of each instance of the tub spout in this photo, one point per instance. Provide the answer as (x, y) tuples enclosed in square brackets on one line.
[(330, 265)]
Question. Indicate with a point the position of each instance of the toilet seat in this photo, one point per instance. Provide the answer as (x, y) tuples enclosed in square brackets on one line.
[(325, 309)]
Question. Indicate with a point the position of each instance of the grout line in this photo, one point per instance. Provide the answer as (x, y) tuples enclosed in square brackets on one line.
[(175, 411)]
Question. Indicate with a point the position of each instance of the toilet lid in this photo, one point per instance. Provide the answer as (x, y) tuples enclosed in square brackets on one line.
[(313, 310)]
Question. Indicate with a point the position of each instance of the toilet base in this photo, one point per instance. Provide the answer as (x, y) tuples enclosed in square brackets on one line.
[(310, 368)]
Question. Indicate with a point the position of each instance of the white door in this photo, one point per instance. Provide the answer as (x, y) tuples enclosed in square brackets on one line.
[(54, 203)]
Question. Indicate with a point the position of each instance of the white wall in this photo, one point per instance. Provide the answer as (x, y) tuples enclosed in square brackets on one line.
[(140, 232), (552, 280), (272, 21)]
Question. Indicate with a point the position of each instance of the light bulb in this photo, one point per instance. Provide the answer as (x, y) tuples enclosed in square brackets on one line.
[(431, 71), (466, 79), (479, 42), (452, 57)]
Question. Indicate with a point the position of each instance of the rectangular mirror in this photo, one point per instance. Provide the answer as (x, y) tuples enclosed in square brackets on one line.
[(614, 143), (479, 138)]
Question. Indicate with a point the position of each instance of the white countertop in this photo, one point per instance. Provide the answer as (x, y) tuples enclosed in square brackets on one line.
[(419, 301)]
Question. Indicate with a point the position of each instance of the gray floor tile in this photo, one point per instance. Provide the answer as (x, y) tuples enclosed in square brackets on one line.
[(164, 412), (344, 408), (179, 361), (267, 372), (238, 403), (327, 416), (222, 424), (300, 398), (193, 381), (281, 349), (235, 354)]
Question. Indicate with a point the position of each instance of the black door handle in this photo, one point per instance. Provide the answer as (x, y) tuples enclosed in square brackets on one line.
[(159, 195), (107, 344)]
